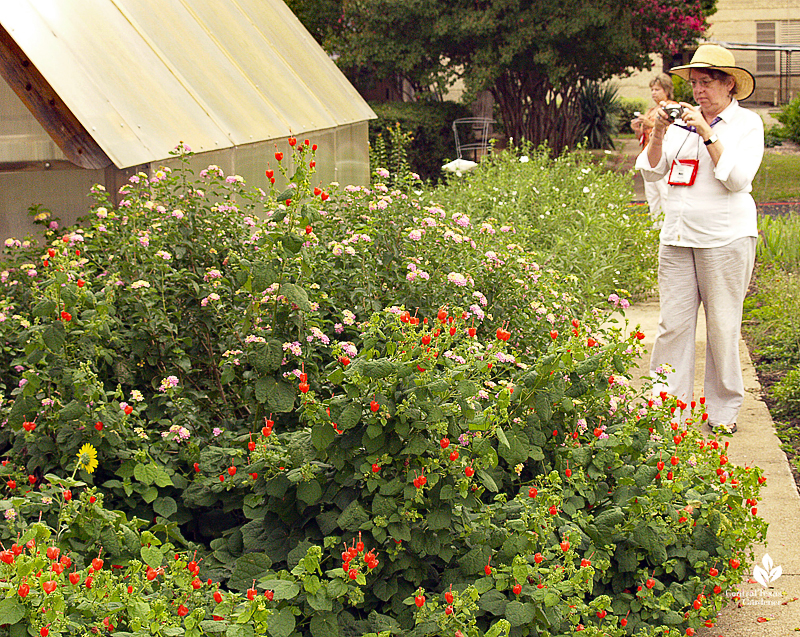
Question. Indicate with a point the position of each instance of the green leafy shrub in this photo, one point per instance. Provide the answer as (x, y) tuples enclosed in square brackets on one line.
[(789, 117), (133, 334), (94, 571), (281, 379), (786, 393), (780, 241), (627, 108), (682, 89), (774, 136), (431, 127), (599, 115), (388, 156), (772, 318), (772, 312), (472, 472), (574, 216)]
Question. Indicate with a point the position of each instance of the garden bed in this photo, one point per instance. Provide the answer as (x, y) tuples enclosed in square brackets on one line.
[(771, 323), (787, 429), (312, 412)]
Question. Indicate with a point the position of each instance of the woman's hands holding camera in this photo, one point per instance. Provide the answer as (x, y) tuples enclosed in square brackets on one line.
[(688, 114), (663, 117), (693, 116)]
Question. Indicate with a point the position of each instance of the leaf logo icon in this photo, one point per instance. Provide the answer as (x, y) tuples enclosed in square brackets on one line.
[(766, 573)]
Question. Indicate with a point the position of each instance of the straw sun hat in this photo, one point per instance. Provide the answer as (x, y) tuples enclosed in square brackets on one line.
[(713, 56)]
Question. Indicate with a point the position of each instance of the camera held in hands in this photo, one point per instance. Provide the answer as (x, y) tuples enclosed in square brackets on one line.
[(674, 111)]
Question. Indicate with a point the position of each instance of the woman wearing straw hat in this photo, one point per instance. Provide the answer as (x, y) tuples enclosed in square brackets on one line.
[(710, 154)]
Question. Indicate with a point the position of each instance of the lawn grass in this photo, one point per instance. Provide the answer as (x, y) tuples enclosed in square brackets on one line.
[(777, 179)]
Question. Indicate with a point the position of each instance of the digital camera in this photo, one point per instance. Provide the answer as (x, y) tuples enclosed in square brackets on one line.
[(674, 111)]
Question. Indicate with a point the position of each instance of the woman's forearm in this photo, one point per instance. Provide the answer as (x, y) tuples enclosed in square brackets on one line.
[(654, 147)]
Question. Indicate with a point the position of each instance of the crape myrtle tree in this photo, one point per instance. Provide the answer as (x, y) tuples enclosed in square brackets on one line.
[(534, 56)]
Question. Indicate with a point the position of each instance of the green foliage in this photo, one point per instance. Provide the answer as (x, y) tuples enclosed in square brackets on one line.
[(469, 478), (774, 136), (390, 159), (573, 215), (773, 312), (534, 76), (786, 395), (600, 115), (627, 108), (773, 318), (322, 18), (353, 400), (159, 328), (429, 125), (780, 241), (683, 90), (394, 40), (96, 572), (789, 117)]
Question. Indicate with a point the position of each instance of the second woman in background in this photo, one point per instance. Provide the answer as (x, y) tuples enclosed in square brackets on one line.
[(655, 192)]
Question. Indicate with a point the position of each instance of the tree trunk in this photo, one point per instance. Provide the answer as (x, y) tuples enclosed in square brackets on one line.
[(532, 109)]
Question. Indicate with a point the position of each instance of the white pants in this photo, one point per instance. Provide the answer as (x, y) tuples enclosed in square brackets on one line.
[(718, 278)]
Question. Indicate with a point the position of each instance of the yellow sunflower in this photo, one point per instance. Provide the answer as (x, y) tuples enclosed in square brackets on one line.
[(87, 458)]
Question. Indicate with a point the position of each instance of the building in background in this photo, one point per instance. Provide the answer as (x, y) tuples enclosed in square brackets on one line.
[(96, 90), (764, 36)]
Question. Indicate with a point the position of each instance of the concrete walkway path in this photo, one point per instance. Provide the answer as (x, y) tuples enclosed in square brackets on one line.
[(775, 611)]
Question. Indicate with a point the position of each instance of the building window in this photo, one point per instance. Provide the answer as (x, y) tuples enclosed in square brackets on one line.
[(765, 60), (778, 32), (789, 33)]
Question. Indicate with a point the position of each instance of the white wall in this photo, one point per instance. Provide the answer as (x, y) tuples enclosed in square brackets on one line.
[(342, 155)]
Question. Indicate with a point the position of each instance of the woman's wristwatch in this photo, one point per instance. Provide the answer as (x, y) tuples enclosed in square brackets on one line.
[(711, 140)]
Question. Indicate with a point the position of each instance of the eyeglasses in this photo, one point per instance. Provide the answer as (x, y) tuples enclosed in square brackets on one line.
[(704, 83)]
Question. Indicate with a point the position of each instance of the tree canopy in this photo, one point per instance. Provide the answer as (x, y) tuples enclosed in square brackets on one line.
[(534, 56)]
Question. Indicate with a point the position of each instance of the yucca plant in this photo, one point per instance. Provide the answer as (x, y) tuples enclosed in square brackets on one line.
[(600, 110)]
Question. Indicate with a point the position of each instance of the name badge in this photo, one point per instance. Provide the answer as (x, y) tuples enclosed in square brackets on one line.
[(683, 172)]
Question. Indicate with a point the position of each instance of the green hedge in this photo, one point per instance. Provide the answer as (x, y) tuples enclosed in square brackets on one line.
[(627, 108), (430, 123), (789, 117)]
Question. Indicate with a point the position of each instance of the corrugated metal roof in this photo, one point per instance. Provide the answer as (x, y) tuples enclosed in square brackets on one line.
[(142, 75)]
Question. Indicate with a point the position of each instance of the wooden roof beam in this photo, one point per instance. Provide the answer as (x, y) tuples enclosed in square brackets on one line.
[(47, 107)]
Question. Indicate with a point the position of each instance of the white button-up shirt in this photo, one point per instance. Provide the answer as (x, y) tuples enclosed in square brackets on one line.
[(718, 207)]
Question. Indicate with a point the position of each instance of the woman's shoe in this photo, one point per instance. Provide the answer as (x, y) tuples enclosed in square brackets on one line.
[(725, 429)]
